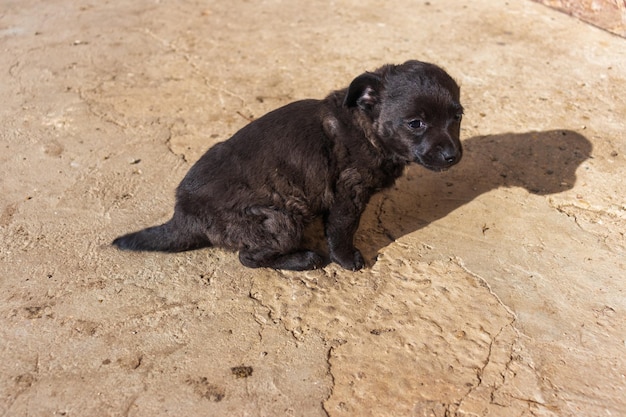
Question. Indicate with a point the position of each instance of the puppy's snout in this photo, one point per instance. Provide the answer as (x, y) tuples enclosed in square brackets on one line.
[(441, 155)]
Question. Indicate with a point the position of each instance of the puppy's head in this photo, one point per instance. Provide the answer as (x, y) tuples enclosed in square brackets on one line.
[(414, 109)]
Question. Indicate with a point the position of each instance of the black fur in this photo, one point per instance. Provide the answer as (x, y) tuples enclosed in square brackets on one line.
[(256, 191)]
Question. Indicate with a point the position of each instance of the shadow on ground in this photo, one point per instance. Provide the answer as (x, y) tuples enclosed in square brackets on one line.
[(541, 162)]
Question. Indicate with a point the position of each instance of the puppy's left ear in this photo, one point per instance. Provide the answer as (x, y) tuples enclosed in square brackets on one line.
[(364, 91)]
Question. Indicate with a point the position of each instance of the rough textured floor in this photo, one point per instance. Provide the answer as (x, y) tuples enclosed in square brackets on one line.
[(497, 288)]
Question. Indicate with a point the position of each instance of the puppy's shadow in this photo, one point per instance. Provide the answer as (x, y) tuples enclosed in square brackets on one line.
[(542, 162)]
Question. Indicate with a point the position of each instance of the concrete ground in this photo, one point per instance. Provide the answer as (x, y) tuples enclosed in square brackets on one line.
[(497, 288)]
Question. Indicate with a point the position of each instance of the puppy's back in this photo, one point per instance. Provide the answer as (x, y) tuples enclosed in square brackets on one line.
[(282, 153)]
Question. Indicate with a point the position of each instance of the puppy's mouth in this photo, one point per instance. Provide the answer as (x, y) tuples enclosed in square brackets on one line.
[(439, 163), (436, 168)]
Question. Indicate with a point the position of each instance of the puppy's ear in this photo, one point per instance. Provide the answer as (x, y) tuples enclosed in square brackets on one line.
[(364, 91)]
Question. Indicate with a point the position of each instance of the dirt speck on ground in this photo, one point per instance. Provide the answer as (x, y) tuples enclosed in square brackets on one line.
[(497, 288)]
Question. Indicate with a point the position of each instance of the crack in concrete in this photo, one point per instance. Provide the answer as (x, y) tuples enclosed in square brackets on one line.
[(276, 318), (481, 371), (196, 70), (171, 47), (329, 371), (271, 313), (169, 145), (91, 108), (107, 118), (561, 209), (255, 317), (506, 373), (493, 339), (612, 211), (379, 222), (459, 262)]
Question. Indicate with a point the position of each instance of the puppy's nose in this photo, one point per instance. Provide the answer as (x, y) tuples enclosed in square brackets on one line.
[(450, 155)]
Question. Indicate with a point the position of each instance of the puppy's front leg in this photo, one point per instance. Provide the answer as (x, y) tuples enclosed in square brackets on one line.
[(342, 221)]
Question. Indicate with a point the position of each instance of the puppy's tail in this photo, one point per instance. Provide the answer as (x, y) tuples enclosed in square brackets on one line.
[(168, 237)]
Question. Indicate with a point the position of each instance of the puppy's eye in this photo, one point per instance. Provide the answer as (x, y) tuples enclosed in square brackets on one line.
[(417, 124), (458, 117)]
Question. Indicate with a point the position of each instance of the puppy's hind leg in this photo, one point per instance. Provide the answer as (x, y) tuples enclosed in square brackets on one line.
[(271, 238)]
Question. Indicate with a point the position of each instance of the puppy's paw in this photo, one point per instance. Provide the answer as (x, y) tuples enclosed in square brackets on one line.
[(294, 261), (352, 260), (305, 260)]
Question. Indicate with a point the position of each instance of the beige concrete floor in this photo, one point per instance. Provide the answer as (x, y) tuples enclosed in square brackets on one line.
[(495, 289)]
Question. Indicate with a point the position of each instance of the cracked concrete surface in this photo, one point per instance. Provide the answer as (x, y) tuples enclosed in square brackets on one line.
[(494, 289)]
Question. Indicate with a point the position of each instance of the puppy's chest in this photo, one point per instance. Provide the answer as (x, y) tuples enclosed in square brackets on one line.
[(367, 180), (375, 170), (388, 172)]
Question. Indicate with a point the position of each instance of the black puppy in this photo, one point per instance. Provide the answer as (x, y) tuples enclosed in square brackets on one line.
[(256, 191)]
